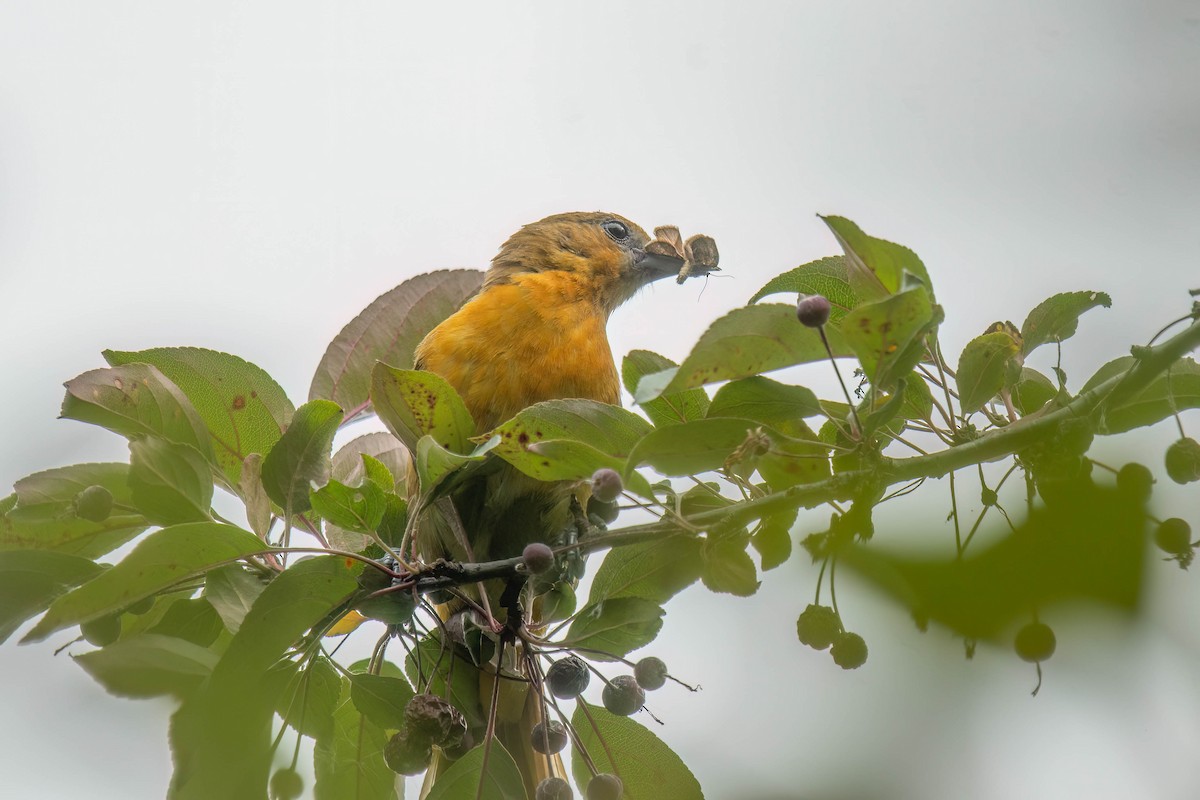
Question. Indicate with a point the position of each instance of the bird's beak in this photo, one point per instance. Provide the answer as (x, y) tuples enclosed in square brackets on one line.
[(653, 266)]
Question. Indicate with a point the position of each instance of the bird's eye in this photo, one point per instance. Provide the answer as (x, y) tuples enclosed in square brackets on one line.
[(616, 230)]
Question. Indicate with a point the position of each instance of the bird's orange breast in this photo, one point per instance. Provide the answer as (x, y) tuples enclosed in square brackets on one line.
[(539, 337)]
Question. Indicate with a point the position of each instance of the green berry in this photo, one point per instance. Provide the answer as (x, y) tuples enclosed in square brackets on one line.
[(813, 310), (548, 737), (407, 754), (568, 677), (623, 696), (605, 786), (605, 512), (102, 631), (818, 626), (539, 558), (95, 504), (1183, 460), (432, 719), (650, 673), (849, 651), (1174, 536), (286, 784), (988, 497), (553, 788), (606, 485), (1135, 481), (1035, 642)]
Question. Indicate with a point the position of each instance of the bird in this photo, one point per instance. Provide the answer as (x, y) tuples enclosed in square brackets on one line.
[(535, 331)]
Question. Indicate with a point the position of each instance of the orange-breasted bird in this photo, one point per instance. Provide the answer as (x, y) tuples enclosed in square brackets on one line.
[(535, 331)]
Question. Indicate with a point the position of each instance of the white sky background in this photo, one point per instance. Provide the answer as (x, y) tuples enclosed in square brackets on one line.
[(248, 178)]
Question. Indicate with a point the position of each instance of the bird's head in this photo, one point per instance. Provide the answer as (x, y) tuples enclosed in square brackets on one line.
[(602, 255)]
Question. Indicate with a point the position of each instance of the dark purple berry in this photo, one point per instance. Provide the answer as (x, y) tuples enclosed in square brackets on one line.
[(568, 677), (606, 485), (407, 754), (818, 626), (1183, 460), (548, 737), (286, 784), (849, 651), (623, 696), (432, 719), (553, 788), (538, 557), (1135, 481), (1174, 536), (1035, 642), (813, 310), (605, 786), (650, 673)]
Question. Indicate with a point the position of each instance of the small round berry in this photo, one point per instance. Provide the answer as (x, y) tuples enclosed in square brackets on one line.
[(553, 788), (623, 696), (818, 626), (988, 497), (605, 786), (286, 784), (568, 677), (849, 651), (95, 504), (1135, 481), (432, 719), (539, 558), (407, 754), (548, 737), (141, 606), (650, 673), (1183, 460), (607, 485), (1174, 536), (1035, 642), (102, 631), (813, 310), (605, 512)]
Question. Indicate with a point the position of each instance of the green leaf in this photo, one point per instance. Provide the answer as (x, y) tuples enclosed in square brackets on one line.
[(791, 461), (254, 495), (1032, 391), (1088, 547), (773, 540), (349, 763), (169, 483), (610, 430), (728, 568), (876, 267), (349, 467), (742, 343), (310, 696), (690, 448), (31, 579), (435, 463), (461, 781), (654, 571), (221, 736), (388, 331), (244, 409), (413, 403), (1178, 388), (44, 517), (764, 400), (982, 368), (301, 456), (1057, 318), (643, 762), (886, 334), (668, 409), (828, 277), (158, 562), (352, 508), (149, 665), (191, 619), (232, 590), (616, 626), (564, 459), (136, 400), (381, 698)]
